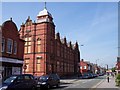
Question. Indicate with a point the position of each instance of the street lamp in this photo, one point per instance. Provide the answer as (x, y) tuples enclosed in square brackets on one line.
[(81, 46), (107, 66), (80, 60), (96, 61)]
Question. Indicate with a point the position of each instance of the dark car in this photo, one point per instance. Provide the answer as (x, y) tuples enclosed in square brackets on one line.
[(23, 81), (101, 74), (48, 81), (94, 75), (85, 76), (90, 75)]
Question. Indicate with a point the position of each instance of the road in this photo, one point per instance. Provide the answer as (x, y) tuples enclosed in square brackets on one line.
[(80, 83)]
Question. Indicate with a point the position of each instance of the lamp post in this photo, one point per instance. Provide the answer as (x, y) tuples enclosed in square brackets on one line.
[(107, 66), (96, 70), (80, 62), (96, 61), (81, 46), (107, 69)]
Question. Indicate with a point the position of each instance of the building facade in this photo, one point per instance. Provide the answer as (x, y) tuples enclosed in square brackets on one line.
[(12, 49), (87, 67), (84, 67), (118, 65), (44, 51)]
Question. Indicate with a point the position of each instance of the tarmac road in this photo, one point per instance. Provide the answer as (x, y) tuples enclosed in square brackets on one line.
[(79, 83)]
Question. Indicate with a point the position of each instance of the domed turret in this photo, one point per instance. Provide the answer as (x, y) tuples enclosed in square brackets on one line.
[(44, 16), (44, 12)]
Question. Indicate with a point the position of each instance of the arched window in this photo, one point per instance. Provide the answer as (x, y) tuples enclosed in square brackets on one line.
[(38, 45), (9, 46)]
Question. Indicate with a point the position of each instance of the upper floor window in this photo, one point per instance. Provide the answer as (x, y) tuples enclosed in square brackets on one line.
[(27, 41), (15, 47), (9, 45), (38, 64), (3, 45), (27, 45), (38, 45)]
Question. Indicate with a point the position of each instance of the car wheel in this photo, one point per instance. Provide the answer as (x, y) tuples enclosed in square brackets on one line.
[(58, 85), (33, 88), (48, 86)]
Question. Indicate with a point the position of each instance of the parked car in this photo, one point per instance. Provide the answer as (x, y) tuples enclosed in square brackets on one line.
[(48, 81), (94, 75), (90, 75), (23, 81), (85, 76), (101, 74)]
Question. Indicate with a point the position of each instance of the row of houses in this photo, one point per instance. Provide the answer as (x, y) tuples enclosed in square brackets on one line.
[(88, 67), (117, 67), (11, 50)]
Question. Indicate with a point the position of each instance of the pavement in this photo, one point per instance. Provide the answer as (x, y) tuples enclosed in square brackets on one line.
[(104, 84)]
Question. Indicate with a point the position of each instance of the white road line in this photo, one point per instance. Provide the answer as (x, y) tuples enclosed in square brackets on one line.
[(95, 86), (87, 80)]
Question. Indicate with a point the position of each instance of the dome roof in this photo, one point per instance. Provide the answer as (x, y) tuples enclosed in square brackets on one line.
[(44, 12)]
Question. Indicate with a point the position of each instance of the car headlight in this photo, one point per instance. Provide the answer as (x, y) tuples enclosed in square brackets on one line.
[(44, 83), (3, 88)]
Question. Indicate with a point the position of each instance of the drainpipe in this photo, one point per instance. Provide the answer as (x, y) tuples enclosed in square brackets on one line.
[(34, 39)]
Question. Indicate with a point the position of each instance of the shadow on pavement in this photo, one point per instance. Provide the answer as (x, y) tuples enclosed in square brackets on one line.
[(62, 83), (60, 87), (52, 88)]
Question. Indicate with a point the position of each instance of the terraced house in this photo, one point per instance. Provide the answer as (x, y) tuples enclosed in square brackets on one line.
[(44, 51), (12, 49)]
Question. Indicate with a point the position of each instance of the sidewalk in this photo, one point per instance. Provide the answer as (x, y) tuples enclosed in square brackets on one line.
[(104, 84)]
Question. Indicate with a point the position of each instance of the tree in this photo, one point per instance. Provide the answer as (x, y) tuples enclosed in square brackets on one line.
[(113, 69)]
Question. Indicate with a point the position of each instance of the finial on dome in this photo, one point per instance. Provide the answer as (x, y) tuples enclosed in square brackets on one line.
[(28, 17), (45, 6), (11, 18), (22, 23)]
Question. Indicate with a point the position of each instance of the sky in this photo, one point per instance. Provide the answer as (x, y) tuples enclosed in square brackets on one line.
[(94, 25)]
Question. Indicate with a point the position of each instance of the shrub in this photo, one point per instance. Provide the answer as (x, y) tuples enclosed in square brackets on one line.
[(117, 80), (118, 76)]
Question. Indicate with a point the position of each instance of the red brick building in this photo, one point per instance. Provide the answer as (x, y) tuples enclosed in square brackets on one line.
[(84, 67), (44, 51), (12, 49), (87, 67), (118, 65)]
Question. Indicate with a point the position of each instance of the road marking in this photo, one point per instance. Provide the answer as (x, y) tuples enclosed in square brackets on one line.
[(87, 80), (95, 86)]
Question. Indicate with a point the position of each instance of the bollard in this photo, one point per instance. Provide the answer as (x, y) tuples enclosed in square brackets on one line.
[(108, 79)]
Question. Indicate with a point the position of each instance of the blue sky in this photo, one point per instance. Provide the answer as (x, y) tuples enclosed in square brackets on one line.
[(94, 24)]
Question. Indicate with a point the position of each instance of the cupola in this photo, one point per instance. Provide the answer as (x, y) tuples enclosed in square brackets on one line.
[(44, 16)]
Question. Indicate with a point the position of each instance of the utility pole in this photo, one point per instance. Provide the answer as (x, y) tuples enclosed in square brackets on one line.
[(107, 66), (96, 61)]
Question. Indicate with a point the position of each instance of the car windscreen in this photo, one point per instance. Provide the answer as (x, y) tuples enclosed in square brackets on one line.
[(10, 79), (43, 78)]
